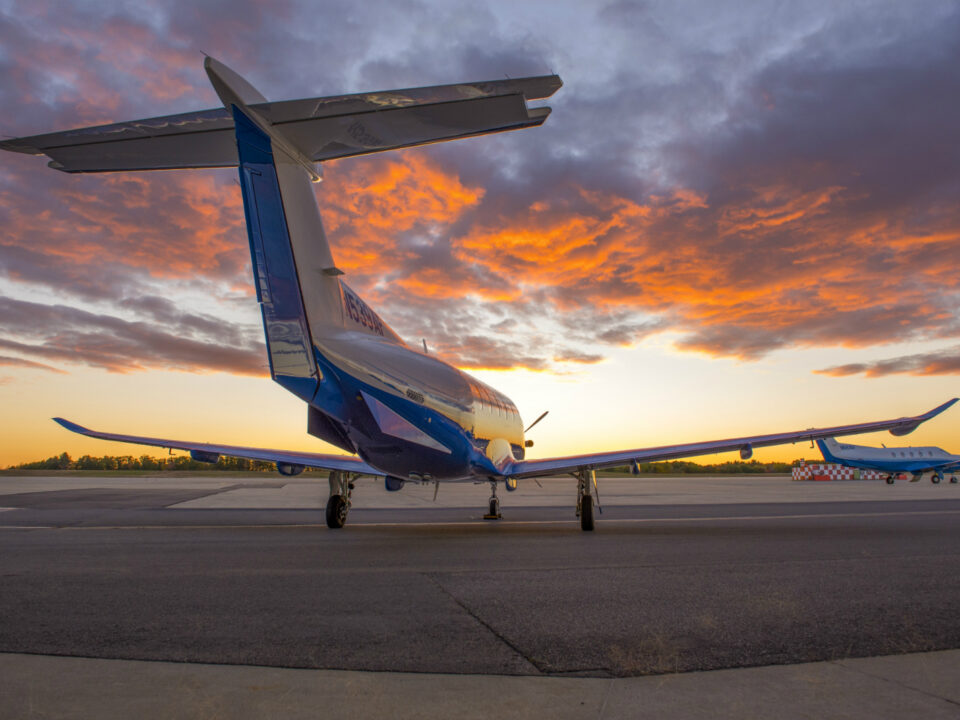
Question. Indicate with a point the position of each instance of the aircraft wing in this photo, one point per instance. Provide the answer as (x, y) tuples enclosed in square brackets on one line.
[(206, 451), (593, 461), (321, 128)]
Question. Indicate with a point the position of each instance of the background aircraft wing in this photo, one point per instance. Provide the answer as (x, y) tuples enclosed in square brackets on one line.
[(321, 128), (206, 451), (551, 466)]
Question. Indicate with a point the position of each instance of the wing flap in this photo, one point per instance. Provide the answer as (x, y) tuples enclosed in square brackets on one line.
[(342, 463), (534, 468)]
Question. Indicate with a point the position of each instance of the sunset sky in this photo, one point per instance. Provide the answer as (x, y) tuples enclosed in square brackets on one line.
[(741, 218)]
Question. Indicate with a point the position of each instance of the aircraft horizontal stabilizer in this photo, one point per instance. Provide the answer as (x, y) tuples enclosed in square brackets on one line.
[(535, 468), (321, 128), (207, 452)]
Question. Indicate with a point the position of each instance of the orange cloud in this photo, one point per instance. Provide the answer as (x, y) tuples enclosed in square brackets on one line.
[(777, 265), (769, 266)]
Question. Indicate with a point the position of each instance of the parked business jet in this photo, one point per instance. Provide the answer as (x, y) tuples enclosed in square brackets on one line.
[(403, 414), (913, 460)]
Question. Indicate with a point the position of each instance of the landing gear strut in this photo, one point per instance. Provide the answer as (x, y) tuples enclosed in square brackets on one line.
[(494, 509), (341, 488), (586, 481)]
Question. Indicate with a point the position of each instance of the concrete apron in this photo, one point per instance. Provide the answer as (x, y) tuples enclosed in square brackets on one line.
[(39, 686)]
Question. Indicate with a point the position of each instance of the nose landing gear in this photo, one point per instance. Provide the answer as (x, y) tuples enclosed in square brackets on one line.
[(494, 506)]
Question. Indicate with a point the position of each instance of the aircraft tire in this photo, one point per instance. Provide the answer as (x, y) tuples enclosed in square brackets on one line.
[(890, 480), (586, 512), (935, 479), (494, 508), (336, 512), (953, 480)]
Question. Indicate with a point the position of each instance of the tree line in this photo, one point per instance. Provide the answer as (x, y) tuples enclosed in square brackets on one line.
[(683, 467), (63, 461)]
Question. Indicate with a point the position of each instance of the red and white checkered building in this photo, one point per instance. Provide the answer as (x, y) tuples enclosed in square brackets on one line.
[(825, 471)]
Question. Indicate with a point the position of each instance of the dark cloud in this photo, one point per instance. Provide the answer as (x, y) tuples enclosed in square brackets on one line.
[(71, 335), (21, 362), (576, 356), (940, 362)]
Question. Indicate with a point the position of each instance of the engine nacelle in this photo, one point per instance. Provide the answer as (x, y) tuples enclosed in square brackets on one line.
[(500, 452), (746, 452), (289, 469), (393, 484), (511, 484), (205, 457)]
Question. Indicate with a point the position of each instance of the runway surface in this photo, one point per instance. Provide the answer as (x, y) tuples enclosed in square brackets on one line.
[(680, 575)]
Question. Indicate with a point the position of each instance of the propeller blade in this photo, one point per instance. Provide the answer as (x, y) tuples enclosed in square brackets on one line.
[(536, 421)]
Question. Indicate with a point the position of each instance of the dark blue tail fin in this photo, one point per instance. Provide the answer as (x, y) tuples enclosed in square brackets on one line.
[(289, 347)]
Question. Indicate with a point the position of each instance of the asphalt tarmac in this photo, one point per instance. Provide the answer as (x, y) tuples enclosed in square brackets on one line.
[(681, 575)]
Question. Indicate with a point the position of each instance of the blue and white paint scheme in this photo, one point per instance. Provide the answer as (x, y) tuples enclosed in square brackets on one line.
[(402, 414), (893, 461)]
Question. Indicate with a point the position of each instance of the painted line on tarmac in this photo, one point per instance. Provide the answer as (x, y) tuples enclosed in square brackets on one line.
[(28, 527), (719, 518), (478, 523)]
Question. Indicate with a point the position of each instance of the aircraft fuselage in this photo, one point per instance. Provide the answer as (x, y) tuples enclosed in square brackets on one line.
[(410, 414), (915, 460)]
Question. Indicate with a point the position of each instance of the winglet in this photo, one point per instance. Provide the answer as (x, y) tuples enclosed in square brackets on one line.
[(913, 423), (71, 426)]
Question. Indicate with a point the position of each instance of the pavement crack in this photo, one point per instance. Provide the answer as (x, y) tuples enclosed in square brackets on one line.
[(492, 630), (899, 683), (606, 699)]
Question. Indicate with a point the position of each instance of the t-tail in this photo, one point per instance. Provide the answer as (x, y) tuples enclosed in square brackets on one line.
[(298, 286), (277, 147)]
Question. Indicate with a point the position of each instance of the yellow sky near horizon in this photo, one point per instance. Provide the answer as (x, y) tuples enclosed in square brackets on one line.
[(644, 396)]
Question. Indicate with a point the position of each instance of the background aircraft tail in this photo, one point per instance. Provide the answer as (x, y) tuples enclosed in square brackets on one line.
[(827, 447)]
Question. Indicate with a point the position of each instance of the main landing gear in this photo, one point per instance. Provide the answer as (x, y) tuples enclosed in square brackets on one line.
[(341, 488), (889, 479), (936, 478), (494, 506), (586, 479)]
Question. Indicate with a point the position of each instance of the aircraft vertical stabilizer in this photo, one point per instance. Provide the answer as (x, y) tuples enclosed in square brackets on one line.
[(289, 346), (285, 217)]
